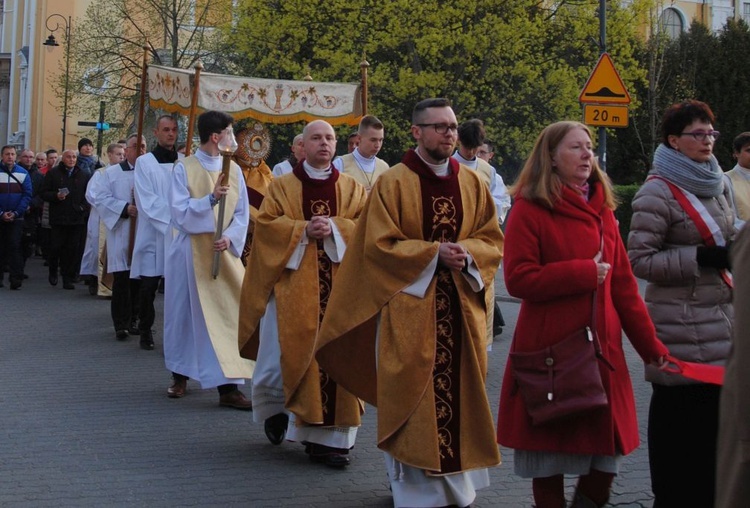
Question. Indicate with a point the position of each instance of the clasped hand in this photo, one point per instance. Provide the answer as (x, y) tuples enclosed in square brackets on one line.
[(318, 227), (452, 255)]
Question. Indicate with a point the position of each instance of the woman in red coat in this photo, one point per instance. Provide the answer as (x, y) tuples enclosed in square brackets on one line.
[(554, 264)]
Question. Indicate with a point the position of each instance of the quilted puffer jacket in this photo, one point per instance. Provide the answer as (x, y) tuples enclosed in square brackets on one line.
[(690, 305)]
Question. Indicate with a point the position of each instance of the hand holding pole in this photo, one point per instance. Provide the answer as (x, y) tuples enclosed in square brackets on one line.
[(227, 147)]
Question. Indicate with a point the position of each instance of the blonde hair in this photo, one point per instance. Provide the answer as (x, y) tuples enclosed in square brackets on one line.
[(540, 183)]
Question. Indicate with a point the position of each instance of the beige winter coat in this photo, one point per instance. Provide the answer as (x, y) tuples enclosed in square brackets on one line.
[(691, 306), (733, 460)]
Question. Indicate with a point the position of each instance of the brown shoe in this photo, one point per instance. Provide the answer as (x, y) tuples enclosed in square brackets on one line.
[(178, 389), (235, 399)]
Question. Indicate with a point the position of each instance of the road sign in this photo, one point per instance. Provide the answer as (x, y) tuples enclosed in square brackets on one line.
[(604, 86), (605, 115)]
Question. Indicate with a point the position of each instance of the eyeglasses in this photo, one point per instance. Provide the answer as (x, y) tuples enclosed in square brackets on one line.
[(440, 128), (701, 135)]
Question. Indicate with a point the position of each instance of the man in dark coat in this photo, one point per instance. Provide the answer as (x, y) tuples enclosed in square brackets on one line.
[(64, 188)]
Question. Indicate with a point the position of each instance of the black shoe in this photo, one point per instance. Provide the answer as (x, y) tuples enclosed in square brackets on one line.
[(15, 285), (121, 334), (147, 341), (133, 330), (25, 276), (52, 280), (68, 285), (275, 428), (331, 457)]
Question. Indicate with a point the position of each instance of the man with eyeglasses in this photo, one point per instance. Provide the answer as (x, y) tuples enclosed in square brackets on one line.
[(406, 328)]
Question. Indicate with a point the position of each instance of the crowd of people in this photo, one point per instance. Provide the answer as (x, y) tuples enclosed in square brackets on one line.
[(330, 281)]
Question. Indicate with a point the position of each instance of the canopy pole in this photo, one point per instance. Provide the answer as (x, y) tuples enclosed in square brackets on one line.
[(363, 69), (144, 88), (193, 106)]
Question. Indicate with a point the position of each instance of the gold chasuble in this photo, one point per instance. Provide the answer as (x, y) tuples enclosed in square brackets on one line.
[(219, 297), (301, 295), (257, 180), (425, 368)]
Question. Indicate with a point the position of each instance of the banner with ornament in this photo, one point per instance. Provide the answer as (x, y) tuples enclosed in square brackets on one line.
[(265, 100)]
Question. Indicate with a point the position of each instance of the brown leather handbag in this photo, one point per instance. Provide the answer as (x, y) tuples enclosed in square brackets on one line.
[(562, 380)]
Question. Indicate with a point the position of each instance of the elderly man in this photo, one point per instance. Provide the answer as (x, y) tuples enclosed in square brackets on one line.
[(64, 188), (362, 163), (405, 328), (298, 153), (301, 233), (33, 215), (15, 198)]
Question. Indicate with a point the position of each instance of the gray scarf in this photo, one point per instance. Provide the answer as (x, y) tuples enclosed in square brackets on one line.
[(704, 179)]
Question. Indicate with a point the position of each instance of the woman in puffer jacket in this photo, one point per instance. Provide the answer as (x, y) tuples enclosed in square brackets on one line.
[(681, 227)]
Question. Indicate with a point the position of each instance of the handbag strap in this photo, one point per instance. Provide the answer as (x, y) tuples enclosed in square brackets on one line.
[(595, 305)]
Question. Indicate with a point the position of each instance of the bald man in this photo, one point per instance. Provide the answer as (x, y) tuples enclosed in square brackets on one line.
[(298, 153), (64, 188), (301, 232)]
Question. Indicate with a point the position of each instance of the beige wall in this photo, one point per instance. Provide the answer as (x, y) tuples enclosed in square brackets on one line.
[(45, 118)]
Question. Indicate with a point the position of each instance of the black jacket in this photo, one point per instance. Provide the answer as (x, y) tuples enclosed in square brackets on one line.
[(74, 208)]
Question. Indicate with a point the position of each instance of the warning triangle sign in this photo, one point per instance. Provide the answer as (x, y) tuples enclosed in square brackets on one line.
[(604, 86)]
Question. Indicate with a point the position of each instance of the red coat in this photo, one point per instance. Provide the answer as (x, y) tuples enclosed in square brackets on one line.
[(549, 265)]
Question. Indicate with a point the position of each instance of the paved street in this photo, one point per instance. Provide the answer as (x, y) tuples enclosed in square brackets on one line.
[(85, 421)]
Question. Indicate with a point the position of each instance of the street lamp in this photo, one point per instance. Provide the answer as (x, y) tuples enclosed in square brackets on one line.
[(61, 23)]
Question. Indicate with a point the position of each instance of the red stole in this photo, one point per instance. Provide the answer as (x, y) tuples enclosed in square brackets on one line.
[(319, 199), (442, 214)]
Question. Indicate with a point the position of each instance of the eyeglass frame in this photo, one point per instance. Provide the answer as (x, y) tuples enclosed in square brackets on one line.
[(440, 128), (702, 135)]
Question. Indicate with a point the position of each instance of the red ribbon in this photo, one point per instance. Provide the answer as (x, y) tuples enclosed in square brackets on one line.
[(713, 374)]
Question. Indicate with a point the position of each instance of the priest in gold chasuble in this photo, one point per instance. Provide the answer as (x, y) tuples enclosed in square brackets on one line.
[(301, 233), (405, 327)]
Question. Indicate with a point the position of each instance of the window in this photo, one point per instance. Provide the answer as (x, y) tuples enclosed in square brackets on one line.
[(746, 11), (671, 22)]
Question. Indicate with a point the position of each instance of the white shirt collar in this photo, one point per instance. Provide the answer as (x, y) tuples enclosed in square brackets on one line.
[(316, 174), (441, 169)]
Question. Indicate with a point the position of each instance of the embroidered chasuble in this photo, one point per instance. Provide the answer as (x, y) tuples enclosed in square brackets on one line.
[(421, 360), (301, 295), (219, 298)]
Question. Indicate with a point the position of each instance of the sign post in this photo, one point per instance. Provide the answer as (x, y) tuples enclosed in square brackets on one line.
[(100, 126), (605, 102)]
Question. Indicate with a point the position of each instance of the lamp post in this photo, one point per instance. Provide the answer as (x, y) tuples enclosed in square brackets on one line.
[(60, 22)]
